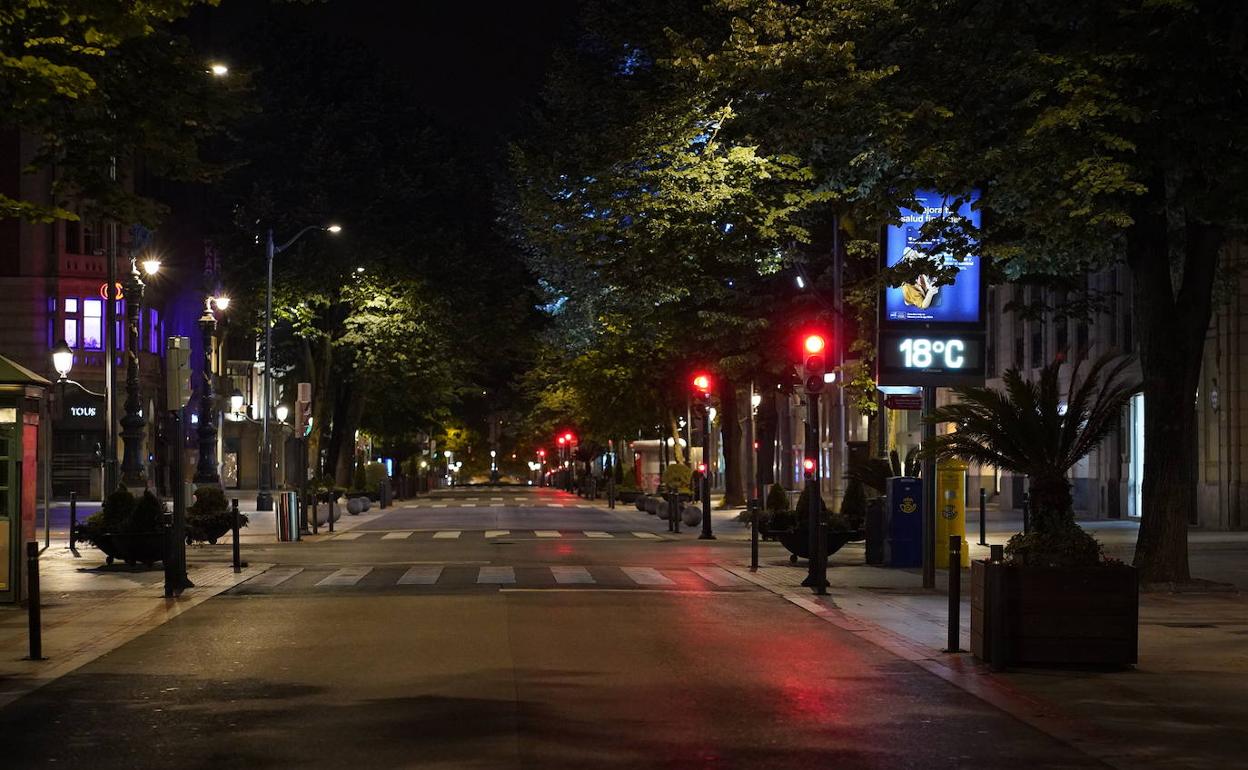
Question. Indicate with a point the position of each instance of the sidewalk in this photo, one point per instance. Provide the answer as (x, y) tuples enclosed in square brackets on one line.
[(1184, 705), (90, 610)]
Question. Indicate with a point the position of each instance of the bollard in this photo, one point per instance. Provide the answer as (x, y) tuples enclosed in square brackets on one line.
[(983, 528), (32, 601), (331, 514), (73, 523), (821, 558), (1026, 513), (238, 564), (753, 536), (676, 510), (995, 584), (955, 594), (309, 501)]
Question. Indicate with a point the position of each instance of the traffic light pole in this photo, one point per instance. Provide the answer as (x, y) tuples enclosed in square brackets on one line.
[(929, 492), (707, 534), (817, 576)]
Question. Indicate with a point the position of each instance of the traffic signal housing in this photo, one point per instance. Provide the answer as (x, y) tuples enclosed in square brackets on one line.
[(702, 384), (814, 361)]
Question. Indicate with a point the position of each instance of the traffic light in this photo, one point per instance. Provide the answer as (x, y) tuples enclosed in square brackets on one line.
[(702, 384), (814, 361), (808, 465)]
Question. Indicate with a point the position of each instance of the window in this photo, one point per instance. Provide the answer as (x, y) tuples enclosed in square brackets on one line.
[(73, 238), (71, 332), (92, 324), (153, 330), (119, 325), (71, 305), (92, 237)]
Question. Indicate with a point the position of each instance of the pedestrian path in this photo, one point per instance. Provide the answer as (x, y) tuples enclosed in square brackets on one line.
[(456, 576), (409, 535)]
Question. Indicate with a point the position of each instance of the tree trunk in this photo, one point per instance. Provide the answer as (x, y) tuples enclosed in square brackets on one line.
[(784, 435), (322, 401), (345, 424), (730, 433), (1172, 325), (765, 435)]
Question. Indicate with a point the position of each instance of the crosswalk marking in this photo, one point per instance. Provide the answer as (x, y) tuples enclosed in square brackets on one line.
[(565, 575), (274, 577), (646, 535), (556, 505), (420, 576), (349, 536), (496, 505), (646, 576), (598, 534), (396, 536), (496, 575), (497, 532), (452, 534), (438, 505), (468, 505), (496, 498), (347, 576), (717, 575), (547, 533)]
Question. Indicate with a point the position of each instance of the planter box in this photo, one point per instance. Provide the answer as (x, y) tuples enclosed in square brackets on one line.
[(1059, 615), (797, 541), (144, 548)]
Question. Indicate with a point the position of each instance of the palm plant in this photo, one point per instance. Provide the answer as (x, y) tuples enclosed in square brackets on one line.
[(1030, 429)]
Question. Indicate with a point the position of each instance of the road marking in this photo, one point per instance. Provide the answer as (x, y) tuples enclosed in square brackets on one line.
[(547, 533), (420, 576), (497, 532), (396, 536), (571, 575), (496, 505), (584, 505), (496, 575), (556, 505), (646, 576), (717, 575), (349, 536), (438, 505), (468, 505), (599, 534), (496, 498), (274, 577), (646, 535), (452, 534), (347, 576)]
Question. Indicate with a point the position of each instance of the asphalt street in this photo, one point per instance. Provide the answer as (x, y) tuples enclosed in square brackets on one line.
[(504, 633)]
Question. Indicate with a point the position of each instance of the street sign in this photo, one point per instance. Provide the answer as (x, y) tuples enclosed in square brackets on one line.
[(904, 402)]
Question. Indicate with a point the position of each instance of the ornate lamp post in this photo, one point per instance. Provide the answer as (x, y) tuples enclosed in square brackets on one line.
[(133, 469), (206, 470)]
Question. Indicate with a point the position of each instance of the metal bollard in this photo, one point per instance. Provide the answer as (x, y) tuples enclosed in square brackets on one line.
[(676, 510), (73, 523), (983, 527), (1026, 513), (238, 564), (955, 594), (34, 610), (753, 536), (995, 585), (309, 502), (331, 515)]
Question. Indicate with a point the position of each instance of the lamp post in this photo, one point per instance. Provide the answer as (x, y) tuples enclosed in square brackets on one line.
[(264, 497), (133, 422), (206, 471)]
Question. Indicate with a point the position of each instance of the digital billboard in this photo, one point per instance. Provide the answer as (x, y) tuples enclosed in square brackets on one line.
[(923, 299)]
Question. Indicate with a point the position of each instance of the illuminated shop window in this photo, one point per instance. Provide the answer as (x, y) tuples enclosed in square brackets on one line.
[(92, 324), (71, 332)]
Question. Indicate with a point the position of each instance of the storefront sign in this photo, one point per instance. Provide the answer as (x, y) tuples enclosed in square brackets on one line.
[(81, 412)]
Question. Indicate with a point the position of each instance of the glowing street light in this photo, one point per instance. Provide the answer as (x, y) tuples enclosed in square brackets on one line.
[(219, 70)]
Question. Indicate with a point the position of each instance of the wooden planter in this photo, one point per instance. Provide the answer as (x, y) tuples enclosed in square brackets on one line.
[(1058, 615)]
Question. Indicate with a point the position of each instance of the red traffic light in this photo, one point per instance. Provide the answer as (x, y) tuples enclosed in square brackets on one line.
[(809, 465), (568, 437), (541, 453), (701, 467), (562, 441), (814, 343), (702, 383)]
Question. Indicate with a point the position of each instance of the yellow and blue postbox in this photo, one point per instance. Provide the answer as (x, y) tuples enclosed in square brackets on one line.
[(951, 510)]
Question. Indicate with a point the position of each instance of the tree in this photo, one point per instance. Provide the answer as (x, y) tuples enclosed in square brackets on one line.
[(1096, 133)]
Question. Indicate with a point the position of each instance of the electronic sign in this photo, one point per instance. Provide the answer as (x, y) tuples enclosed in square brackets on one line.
[(924, 299)]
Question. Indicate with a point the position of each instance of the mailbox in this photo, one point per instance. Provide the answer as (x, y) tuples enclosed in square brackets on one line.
[(903, 527)]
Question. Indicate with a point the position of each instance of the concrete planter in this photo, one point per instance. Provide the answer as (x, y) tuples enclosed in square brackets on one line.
[(1058, 615), (144, 548), (797, 542), (692, 515)]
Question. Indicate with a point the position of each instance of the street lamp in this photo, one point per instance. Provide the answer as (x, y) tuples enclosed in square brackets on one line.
[(133, 422), (264, 498), (217, 69), (283, 412), (206, 470)]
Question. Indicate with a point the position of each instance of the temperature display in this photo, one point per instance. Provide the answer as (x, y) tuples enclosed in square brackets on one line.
[(951, 353)]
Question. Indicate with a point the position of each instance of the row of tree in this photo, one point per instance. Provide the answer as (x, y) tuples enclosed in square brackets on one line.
[(691, 153)]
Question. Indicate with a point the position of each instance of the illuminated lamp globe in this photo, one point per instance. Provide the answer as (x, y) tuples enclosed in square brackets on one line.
[(221, 303), (236, 402), (62, 359), (283, 412), (334, 229), (151, 266)]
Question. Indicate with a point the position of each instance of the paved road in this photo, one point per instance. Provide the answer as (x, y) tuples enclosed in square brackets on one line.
[(545, 647)]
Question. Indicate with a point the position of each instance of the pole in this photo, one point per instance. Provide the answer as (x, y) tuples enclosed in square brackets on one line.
[(753, 536), (133, 463), (234, 524), (929, 492), (1026, 512), (206, 467), (264, 498), (983, 527), (955, 594), (995, 585), (73, 522), (705, 481), (110, 355), (176, 579), (34, 611), (814, 500), (331, 512)]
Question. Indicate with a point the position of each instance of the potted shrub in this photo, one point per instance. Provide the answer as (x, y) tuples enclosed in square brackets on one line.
[(128, 528), (680, 478), (209, 518), (1061, 600), (840, 529)]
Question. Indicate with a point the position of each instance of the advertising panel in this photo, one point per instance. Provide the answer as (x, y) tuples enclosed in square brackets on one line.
[(924, 299)]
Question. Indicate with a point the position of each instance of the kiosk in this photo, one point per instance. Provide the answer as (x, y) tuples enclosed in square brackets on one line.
[(21, 393)]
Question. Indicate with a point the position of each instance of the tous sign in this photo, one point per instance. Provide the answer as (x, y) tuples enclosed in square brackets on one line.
[(82, 411)]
